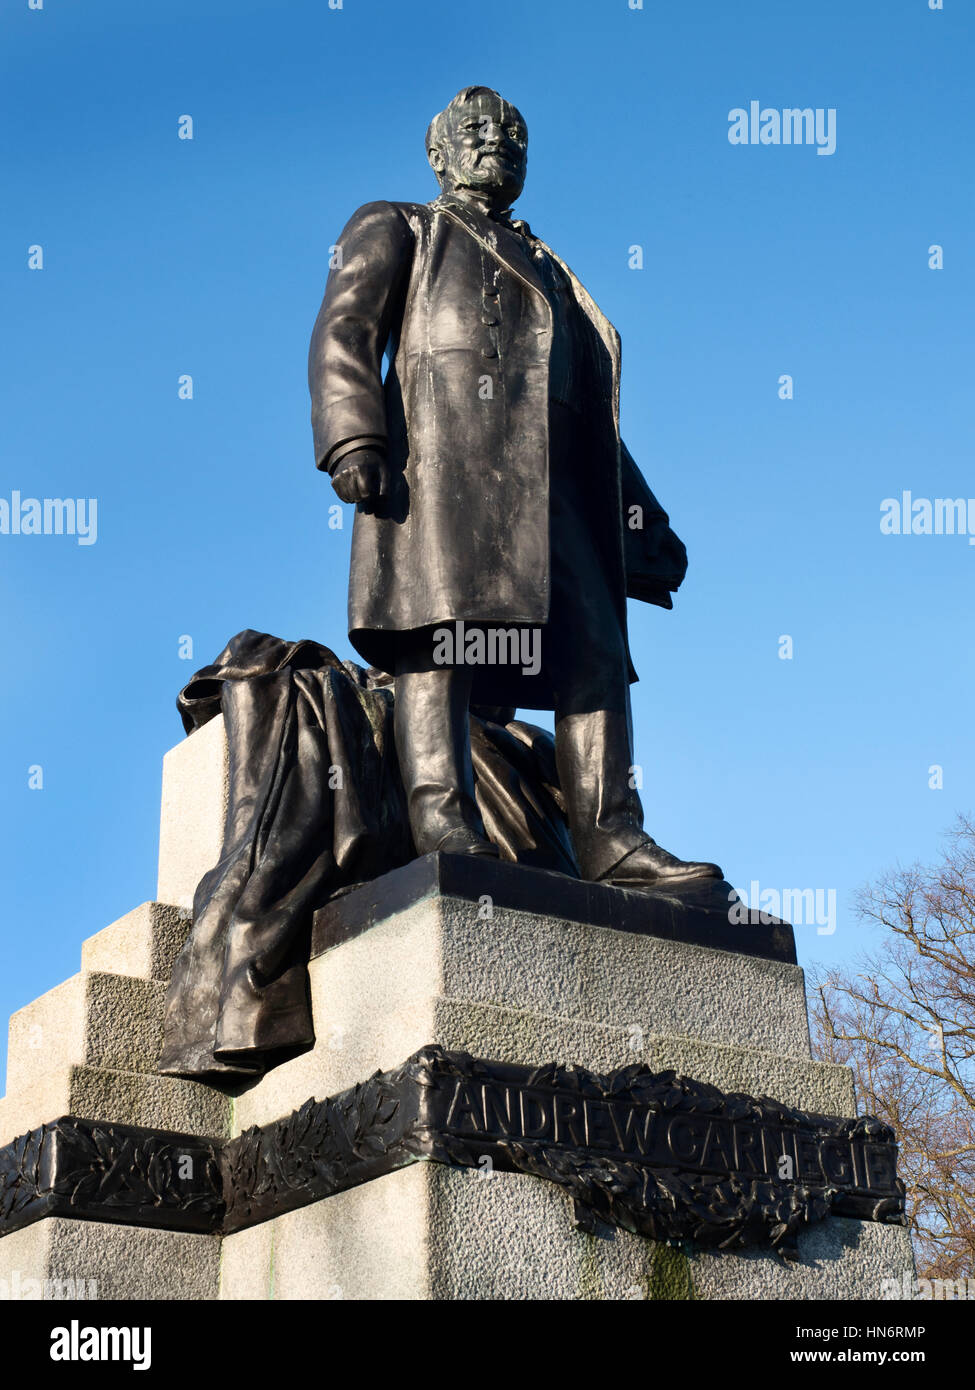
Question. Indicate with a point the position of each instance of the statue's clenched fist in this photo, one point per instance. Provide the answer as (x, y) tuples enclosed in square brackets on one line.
[(362, 476)]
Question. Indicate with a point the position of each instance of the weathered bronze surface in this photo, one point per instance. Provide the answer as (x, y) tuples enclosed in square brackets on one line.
[(490, 567), (296, 835), (695, 911), (493, 491), (298, 838)]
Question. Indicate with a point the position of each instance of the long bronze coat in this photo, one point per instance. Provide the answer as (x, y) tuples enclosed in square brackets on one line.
[(455, 299)]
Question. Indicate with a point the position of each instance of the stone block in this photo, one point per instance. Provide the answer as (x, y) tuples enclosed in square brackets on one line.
[(194, 802), (429, 1232), (526, 988), (62, 1258), (249, 1271), (144, 943), (347, 1055), (94, 1019), (120, 1097), (525, 985)]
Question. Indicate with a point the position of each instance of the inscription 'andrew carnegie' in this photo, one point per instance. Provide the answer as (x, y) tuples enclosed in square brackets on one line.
[(650, 1135)]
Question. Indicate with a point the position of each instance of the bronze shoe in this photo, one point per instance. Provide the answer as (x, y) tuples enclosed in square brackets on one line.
[(464, 841), (649, 865)]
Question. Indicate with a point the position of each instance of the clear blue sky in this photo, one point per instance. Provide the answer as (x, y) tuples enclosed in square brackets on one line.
[(209, 257)]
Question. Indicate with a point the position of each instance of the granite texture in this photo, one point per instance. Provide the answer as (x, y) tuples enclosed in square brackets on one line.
[(145, 942), (133, 1098), (429, 1232), (506, 1035), (195, 790), (93, 1019), (89, 1046), (95, 1260), (515, 987), (522, 988)]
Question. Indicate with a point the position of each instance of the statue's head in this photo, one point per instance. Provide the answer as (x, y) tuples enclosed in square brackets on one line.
[(480, 143)]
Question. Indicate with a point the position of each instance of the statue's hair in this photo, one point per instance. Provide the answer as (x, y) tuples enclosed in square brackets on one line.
[(437, 129)]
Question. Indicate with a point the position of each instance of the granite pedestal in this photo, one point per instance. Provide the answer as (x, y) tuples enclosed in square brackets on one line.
[(525, 971)]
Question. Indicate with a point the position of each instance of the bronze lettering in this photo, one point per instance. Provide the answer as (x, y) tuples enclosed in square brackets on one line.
[(837, 1161), (684, 1138), (777, 1144), (536, 1118), (569, 1128), (810, 1162), (880, 1166), (748, 1149), (465, 1110), (598, 1117), (718, 1149), (636, 1132), (501, 1110)]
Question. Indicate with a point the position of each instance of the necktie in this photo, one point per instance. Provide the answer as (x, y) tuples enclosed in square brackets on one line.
[(513, 224)]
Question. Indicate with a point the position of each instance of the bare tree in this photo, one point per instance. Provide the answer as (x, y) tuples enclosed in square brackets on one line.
[(904, 1020)]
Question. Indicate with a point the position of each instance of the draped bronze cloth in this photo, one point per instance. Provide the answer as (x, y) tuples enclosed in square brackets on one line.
[(316, 806)]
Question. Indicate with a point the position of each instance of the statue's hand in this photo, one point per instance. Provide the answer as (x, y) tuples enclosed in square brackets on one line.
[(362, 476)]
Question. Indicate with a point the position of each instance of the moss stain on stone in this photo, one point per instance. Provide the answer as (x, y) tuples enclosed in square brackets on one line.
[(669, 1278), (666, 1275), (590, 1281)]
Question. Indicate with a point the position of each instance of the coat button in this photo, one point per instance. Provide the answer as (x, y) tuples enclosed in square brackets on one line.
[(491, 320), (491, 292), (489, 352)]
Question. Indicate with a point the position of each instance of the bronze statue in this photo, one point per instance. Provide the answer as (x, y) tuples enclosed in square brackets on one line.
[(498, 507), (500, 525)]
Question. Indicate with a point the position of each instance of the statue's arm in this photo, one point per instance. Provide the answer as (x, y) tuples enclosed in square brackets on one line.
[(362, 296), (656, 560)]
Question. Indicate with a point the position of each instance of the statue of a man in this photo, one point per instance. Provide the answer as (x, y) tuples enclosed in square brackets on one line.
[(498, 509)]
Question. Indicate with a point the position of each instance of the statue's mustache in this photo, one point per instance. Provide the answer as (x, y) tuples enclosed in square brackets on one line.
[(476, 156)]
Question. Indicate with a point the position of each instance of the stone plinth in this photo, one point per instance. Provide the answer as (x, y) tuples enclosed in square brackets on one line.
[(195, 789), (522, 987), (430, 1232), (89, 1046), (514, 966), (61, 1258)]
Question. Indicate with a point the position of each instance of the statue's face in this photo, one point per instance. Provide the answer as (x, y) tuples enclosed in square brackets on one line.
[(485, 150)]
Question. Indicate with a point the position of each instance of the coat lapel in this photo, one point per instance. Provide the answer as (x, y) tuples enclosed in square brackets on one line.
[(599, 321), (485, 234)]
